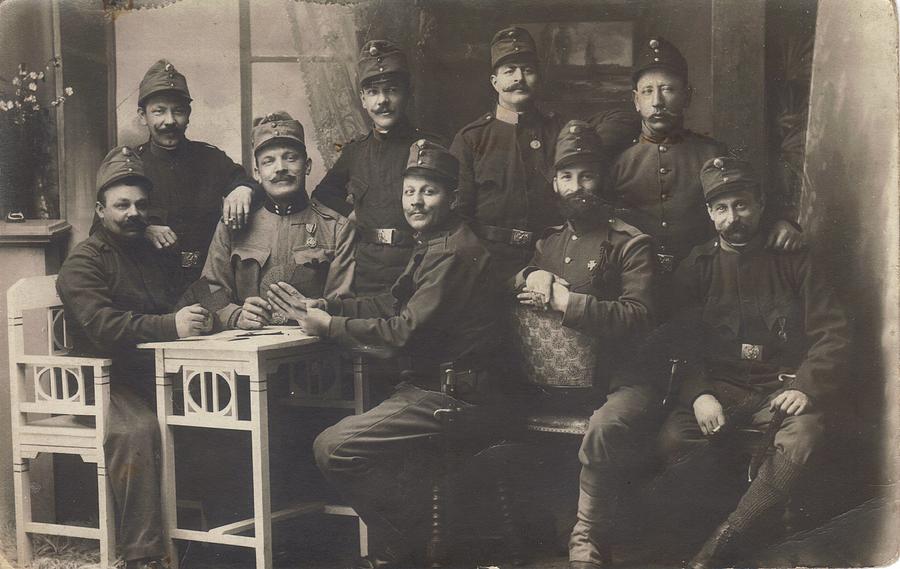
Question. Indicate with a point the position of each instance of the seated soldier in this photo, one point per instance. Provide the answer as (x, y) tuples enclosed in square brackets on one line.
[(288, 239), (598, 272), (769, 343), (117, 294), (441, 312)]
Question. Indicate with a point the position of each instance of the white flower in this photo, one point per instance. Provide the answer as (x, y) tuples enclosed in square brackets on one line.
[(33, 75), (30, 99), (36, 108), (32, 86), (16, 81), (41, 76), (54, 102), (3, 106), (69, 91)]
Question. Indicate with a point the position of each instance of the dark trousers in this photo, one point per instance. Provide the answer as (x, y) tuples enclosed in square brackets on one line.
[(617, 440), (132, 459), (365, 458)]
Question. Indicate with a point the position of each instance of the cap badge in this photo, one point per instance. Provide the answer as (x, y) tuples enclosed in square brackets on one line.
[(420, 143), (168, 67), (126, 151), (574, 129), (719, 163), (373, 51), (654, 43), (536, 144)]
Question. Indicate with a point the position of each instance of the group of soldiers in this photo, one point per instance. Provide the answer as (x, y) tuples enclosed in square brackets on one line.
[(633, 228)]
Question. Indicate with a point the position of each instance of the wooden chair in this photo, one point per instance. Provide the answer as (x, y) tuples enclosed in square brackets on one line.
[(58, 405)]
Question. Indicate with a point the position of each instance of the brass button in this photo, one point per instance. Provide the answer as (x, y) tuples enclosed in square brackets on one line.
[(663, 170), (663, 148), (664, 224), (574, 238), (567, 260)]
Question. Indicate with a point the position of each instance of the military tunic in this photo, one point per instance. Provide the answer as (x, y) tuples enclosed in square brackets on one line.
[(658, 186), (189, 184), (116, 294), (769, 321), (441, 309), (368, 179), (611, 270), (295, 244), (506, 182)]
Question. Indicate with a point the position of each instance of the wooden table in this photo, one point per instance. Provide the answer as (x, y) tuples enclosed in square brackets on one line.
[(212, 372)]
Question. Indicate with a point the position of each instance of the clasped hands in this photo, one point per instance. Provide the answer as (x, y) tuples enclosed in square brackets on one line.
[(308, 312), (544, 290)]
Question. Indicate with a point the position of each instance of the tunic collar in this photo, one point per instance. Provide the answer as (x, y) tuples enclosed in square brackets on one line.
[(165, 153), (442, 232), (296, 205), (672, 138), (514, 118), (403, 130)]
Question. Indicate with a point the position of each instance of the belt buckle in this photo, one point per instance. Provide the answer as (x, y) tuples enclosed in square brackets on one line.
[(751, 352), (519, 237), (190, 259), (385, 236), (666, 262)]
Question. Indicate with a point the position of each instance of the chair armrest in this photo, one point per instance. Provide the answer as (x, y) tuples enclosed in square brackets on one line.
[(377, 352), (64, 361)]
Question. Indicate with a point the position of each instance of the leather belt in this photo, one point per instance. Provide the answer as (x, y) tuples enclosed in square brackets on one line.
[(393, 237), (190, 259), (517, 237)]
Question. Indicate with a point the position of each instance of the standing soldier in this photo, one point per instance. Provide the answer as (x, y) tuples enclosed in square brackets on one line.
[(288, 238), (190, 178), (506, 158), (656, 180), (370, 169)]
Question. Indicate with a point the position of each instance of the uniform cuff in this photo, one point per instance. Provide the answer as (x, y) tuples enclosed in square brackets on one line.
[(574, 310), (338, 327), (170, 330)]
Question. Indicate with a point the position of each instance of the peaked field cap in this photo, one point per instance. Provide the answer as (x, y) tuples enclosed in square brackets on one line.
[(659, 53), (276, 126), (426, 157), (378, 58), (119, 163), (510, 42), (578, 142), (162, 76), (725, 174)]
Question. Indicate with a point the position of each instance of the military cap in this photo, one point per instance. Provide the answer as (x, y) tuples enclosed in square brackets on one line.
[(276, 126), (381, 57), (725, 174), (657, 53), (120, 163), (162, 76), (578, 142), (430, 159), (510, 42)]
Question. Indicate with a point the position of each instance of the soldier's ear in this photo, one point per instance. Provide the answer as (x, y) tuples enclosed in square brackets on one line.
[(98, 207), (634, 97), (454, 199), (256, 175), (555, 187), (142, 115), (308, 168)]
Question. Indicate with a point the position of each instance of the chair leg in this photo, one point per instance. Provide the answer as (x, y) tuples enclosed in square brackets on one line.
[(363, 538), (515, 543), (437, 554), (107, 518), (22, 488)]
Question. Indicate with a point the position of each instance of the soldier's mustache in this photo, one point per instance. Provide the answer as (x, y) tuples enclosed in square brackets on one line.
[(282, 178), (517, 87), (135, 223)]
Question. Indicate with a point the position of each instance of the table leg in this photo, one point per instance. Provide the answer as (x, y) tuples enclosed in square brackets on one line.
[(259, 434), (167, 451)]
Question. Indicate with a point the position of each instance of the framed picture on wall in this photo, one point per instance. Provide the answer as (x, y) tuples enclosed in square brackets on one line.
[(588, 62)]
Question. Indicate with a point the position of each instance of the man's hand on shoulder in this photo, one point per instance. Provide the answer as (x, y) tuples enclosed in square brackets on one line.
[(236, 207), (785, 237), (193, 320), (161, 236), (709, 414)]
